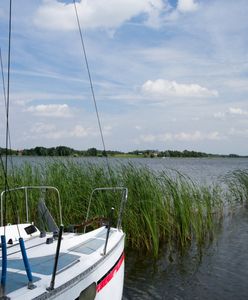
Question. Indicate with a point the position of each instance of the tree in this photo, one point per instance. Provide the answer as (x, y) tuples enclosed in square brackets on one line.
[(91, 152)]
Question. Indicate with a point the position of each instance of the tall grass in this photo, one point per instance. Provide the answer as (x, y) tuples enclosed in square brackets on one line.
[(237, 182), (164, 207)]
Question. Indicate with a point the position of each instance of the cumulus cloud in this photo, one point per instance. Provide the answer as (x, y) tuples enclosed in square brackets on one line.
[(80, 131), (164, 87), (181, 136), (50, 131), (41, 128), (185, 6), (148, 138), (232, 111), (108, 14), (219, 115), (46, 131), (50, 110), (185, 136), (238, 111)]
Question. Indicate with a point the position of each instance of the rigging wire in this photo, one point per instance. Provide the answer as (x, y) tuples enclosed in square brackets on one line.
[(91, 87), (4, 95), (7, 117), (8, 89), (7, 134), (5, 102), (1, 156), (3, 81)]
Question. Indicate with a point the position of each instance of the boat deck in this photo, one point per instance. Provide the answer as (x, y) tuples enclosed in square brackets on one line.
[(74, 248)]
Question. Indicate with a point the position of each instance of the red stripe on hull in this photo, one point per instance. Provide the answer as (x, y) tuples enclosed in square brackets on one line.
[(110, 274)]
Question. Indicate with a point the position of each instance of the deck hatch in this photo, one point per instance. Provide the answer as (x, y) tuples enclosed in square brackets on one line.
[(16, 281), (44, 264), (92, 244), (88, 247)]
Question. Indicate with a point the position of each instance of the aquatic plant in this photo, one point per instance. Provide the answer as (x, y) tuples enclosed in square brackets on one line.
[(237, 182), (163, 207)]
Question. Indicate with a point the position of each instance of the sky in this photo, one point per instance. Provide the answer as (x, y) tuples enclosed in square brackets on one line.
[(167, 74)]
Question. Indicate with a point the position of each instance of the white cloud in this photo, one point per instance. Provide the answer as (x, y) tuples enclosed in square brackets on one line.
[(56, 135), (80, 131), (106, 14), (50, 131), (238, 111), (41, 128), (214, 136), (185, 136), (46, 131), (181, 136), (185, 6), (50, 110), (165, 137), (231, 112), (172, 88), (220, 115), (148, 138)]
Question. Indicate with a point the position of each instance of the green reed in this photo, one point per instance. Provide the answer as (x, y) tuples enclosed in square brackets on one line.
[(163, 207), (237, 182)]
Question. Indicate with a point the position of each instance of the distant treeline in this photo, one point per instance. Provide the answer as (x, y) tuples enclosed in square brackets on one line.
[(66, 151), (59, 151), (175, 153)]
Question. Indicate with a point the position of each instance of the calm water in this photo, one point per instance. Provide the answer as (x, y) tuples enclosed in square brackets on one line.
[(203, 170), (221, 272)]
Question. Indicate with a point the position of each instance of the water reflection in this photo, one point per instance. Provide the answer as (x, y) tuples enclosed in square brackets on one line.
[(221, 272)]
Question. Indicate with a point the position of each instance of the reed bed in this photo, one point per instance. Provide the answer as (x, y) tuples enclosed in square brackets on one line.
[(237, 182), (163, 207)]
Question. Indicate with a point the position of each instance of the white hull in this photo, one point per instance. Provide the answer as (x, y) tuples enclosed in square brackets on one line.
[(82, 264)]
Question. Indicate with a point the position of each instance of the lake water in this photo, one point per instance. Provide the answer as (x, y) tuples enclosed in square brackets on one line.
[(221, 272), (203, 170)]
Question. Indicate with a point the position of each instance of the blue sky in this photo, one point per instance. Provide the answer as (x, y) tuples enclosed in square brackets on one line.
[(166, 74)]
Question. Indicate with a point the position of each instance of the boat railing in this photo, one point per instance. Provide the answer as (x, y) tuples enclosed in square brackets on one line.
[(26, 189), (124, 192)]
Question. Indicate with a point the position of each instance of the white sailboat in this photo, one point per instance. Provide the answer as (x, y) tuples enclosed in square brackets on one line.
[(39, 260), (52, 265)]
